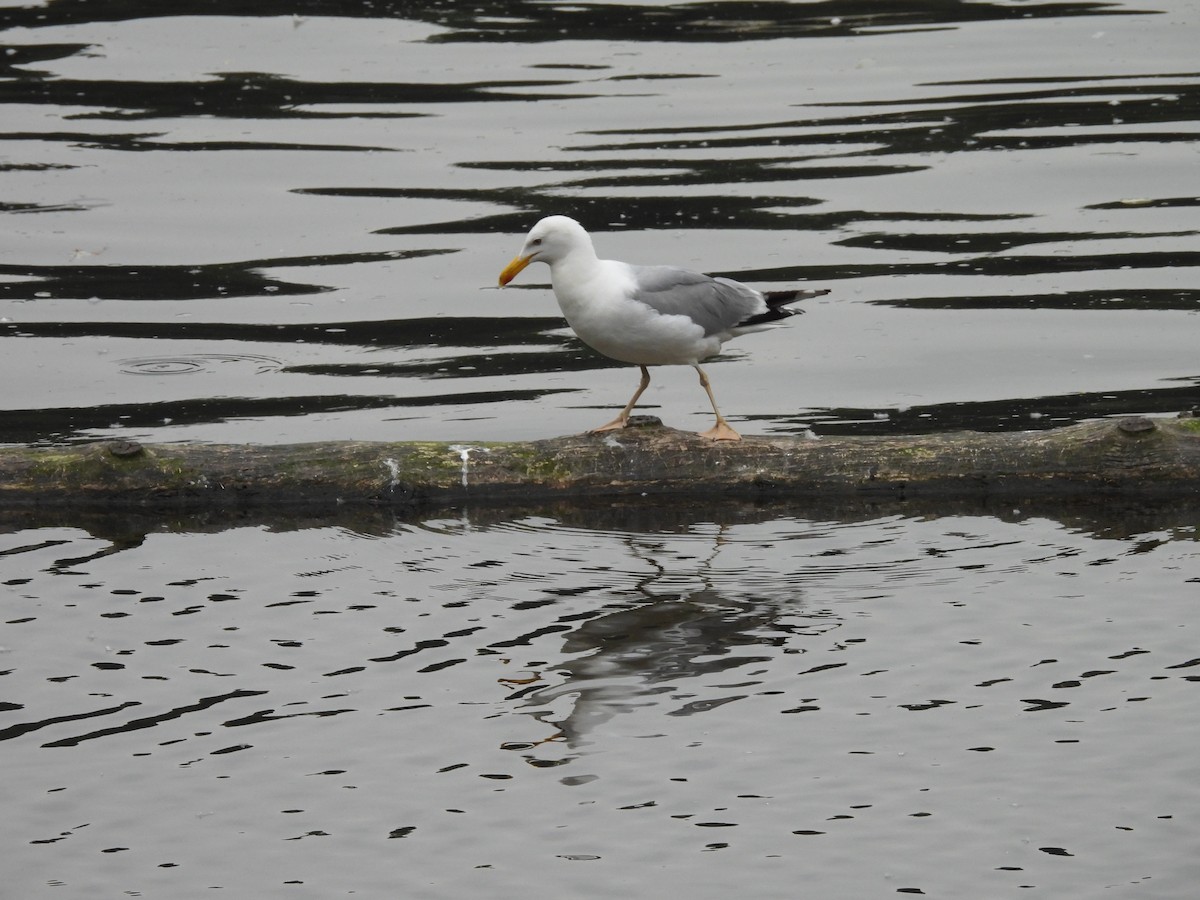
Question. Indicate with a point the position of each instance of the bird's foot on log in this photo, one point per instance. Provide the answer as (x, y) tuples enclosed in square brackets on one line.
[(629, 422), (615, 425), (721, 432)]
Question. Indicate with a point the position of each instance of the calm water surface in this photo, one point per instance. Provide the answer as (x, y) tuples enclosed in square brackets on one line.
[(283, 222), (604, 703)]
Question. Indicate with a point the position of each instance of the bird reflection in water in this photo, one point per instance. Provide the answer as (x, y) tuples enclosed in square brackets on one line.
[(684, 626)]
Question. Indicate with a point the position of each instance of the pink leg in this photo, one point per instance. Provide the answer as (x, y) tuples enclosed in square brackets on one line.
[(623, 419), (722, 431)]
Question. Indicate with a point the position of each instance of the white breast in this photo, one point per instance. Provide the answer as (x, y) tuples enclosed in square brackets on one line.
[(597, 302)]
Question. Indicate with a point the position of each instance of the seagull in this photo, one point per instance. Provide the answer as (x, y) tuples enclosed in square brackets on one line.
[(647, 315)]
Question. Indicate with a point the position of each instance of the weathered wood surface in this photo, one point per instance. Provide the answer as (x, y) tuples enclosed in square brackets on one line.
[(1133, 458)]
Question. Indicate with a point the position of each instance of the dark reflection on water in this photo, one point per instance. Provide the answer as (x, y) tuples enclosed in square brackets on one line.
[(968, 121), (1113, 112), (1137, 298), (253, 95), (494, 364), (652, 523), (460, 331), (16, 58), (148, 141), (181, 282), (995, 242), (1009, 414), (1010, 266), (527, 20), (655, 212), (74, 424)]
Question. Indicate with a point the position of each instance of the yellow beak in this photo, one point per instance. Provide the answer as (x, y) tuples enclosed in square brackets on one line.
[(511, 270)]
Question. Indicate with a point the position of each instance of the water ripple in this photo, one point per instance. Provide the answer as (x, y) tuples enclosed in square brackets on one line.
[(198, 364)]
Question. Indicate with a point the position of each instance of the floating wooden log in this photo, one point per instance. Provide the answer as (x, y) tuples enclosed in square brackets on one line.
[(1135, 457)]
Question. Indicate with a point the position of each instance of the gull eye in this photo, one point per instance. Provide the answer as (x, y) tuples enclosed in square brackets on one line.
[(536, 242)]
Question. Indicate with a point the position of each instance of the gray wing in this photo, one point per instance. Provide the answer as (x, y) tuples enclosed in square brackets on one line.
[(715, 304)]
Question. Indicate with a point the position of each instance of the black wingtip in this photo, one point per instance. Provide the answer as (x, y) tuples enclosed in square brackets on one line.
[(783, 298), (777, 306)]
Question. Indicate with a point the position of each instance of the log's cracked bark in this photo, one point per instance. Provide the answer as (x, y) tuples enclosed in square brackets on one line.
[(1134, 457)]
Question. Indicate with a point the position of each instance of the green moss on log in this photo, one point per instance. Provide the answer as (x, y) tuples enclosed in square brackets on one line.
[(1136, 457)]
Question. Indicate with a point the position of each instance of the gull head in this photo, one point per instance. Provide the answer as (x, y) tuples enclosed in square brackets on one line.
[(552, 239)]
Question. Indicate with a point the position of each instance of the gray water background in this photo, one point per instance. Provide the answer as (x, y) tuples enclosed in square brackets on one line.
[(284, 223), (288, 226)]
